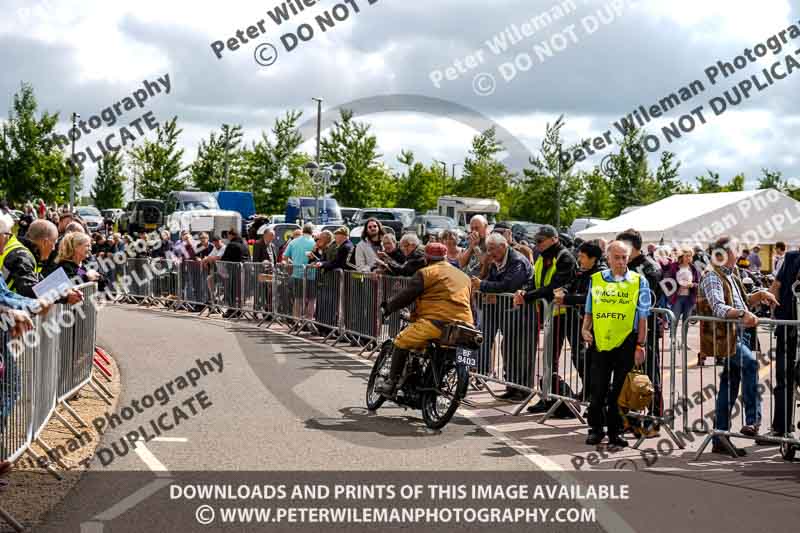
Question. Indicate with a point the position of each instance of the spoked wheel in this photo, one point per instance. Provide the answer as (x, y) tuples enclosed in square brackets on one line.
[(788, 451), (380, 372), (439, 407)]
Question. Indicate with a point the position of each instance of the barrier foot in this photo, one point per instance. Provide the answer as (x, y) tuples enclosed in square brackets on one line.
[(674, 437), (97, 386), (328, 336), (552, 410), (50, 453), (524, 403), (69, 426), (576, 412), (703, 446), (8, 519), (68, 408), (44, 462)]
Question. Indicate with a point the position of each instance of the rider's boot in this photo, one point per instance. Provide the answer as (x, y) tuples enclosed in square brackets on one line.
[(399, 357)]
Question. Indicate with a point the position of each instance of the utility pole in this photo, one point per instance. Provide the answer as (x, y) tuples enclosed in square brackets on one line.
[(73, 177), (558, 192), (225, 162), (319, 137)]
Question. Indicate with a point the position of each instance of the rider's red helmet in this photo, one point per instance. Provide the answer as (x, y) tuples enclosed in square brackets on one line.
[(435, 251)]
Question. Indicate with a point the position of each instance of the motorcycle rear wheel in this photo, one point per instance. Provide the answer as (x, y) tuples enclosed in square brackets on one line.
[(439, 407)]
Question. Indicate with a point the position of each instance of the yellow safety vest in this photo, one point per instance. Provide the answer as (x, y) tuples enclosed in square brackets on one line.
[(14, 244), (538, 267), (613, 310)]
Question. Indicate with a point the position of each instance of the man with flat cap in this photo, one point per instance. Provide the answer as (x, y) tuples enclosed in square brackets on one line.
[(553, 269)]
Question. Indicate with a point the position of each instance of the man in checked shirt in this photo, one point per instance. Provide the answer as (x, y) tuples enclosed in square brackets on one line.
[(722, 295)]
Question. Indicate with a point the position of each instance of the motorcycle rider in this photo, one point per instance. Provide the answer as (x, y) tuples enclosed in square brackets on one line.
[(442, 293)]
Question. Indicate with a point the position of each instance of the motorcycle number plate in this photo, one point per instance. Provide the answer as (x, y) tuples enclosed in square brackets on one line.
[(466, 357)]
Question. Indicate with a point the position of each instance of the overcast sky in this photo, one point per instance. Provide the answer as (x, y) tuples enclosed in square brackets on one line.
[(84, 56)]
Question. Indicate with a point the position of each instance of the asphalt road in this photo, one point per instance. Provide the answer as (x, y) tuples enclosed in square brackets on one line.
[(284, 410)]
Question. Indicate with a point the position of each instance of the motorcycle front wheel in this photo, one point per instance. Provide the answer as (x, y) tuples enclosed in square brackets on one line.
[(380, 371), (439, 407)]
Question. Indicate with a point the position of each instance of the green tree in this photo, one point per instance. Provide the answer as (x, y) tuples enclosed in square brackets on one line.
[(630, 180), (220, 161), (109, 185), (158, 163), (596, 200), (419, 188), (772, 180), (273, 167), (484, 175), (710, 183), (736, 184), (668, 181), (548, 183), (32, 165), (352, 143)]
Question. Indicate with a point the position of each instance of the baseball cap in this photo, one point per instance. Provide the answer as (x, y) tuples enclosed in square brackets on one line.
[(501, 226), (546, 232), (436, 251)]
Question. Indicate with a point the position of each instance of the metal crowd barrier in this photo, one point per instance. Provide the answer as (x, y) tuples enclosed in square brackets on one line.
[(257, 290), (740, 387), (513, 350), (164, 280), (42, 370), (141, 278), (362, 298), (192, 286), (226, 288)]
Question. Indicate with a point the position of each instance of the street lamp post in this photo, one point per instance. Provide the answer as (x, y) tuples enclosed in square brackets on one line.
[(444, 174), (73, 177), (323, 177), (319, 137)]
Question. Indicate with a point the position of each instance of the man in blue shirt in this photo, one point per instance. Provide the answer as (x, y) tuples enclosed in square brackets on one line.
[(617, 342), (297, 254)]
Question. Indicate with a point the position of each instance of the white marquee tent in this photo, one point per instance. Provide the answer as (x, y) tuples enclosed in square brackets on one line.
[(763, 217)]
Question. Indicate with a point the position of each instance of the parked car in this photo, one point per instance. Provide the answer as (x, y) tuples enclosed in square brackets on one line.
[(397, 219), (348, 214), (112, 214), (524, 231), (580, 224), (427, 225), (142, 215), (91, 216)]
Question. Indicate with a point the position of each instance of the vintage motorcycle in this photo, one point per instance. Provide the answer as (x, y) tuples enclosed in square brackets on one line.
[(434, 380)]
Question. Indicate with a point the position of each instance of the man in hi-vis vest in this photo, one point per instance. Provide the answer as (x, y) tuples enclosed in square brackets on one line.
[(615, 323)]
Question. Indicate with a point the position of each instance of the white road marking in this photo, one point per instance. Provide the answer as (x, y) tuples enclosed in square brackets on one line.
[(280, 357), (151, 461), (170, 439)]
